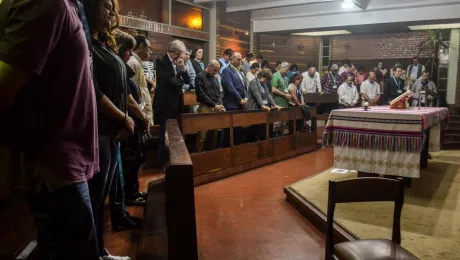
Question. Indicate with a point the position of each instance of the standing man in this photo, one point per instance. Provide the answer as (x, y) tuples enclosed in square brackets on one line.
[(225, 60), (234, 85), (235, 92), (311, 82), (331, 81), (209, 96), (142, 53), (415, 69), (349, 72), (280, 84), (190, 70), (169, 98), (370, 90), (44, 94), (246, 62), (348, 94), (394, 86), (419, 86)]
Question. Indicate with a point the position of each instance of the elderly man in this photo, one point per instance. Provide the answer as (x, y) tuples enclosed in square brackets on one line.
[(348, 94), (311, 82), (421, 85), (235, 92), (209, 96), (169, 99), (331, 81), (280, 84), (370, 90)]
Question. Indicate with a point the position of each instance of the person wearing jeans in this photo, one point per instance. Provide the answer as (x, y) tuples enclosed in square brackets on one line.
[(44, 94)]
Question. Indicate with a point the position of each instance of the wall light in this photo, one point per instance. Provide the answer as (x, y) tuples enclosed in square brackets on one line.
[(195, 22), (347, 4)]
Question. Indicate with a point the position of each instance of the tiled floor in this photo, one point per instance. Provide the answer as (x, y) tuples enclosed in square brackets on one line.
[(246, 217)]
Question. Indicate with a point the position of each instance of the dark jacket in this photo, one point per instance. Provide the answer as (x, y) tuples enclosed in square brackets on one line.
[(169, 98), (197, 67), (234, 89), (254, 99), (391, 90)]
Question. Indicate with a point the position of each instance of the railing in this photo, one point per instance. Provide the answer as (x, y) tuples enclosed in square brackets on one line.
[(169, 230), (236, 158)]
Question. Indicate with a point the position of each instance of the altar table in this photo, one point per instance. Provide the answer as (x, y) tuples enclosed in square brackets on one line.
[(382, 140)]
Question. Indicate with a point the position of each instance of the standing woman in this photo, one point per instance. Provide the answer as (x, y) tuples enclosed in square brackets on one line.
[(383, 70), (110, 82), (259, 98), (197, 60), (295, 90)]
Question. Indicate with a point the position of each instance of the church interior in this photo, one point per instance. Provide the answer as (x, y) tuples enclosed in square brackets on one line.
[(230, 129)]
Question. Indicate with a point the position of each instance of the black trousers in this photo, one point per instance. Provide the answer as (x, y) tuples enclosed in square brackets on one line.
[(100, 184)]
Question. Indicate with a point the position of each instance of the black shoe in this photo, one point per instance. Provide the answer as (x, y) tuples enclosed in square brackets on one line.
[(124, 223), (143, 195), (135, 201), (429, 156)]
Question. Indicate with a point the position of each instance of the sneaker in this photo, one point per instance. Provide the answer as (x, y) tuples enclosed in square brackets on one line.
[(135, 201), (108, 256)]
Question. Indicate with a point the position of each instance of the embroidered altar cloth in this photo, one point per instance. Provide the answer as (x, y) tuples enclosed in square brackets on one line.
[(383, 140)]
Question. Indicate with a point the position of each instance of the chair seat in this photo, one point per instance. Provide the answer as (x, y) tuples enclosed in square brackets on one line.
[(371, 249)]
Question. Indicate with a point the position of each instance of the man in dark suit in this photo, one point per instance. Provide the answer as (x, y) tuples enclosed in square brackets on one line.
[(235, 93), (394, 86), (169, 97), (234, 84)]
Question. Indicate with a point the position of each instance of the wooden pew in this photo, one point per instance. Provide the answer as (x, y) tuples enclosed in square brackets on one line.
[(212, 165), (169, 229), (190, 98)]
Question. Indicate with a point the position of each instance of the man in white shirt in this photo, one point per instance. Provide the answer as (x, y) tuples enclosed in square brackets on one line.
[(415, 70), (348, 94), (311, 82), (370, 90), (344, 67)]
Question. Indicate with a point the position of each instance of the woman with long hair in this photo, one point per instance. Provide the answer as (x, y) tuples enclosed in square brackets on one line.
[(197, 60), (111, 87)]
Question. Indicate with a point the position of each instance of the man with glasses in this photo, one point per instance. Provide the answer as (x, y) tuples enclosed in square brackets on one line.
[(142, 53)]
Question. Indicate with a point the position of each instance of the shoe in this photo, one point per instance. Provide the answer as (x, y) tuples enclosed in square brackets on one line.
[(136, 220), (139, 201), (108, 256), (143, 195), (124, 223)]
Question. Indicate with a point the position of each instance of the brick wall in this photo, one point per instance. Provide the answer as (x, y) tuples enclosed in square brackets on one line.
[(386, 46)]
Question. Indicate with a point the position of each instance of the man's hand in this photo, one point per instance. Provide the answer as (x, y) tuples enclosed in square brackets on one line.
[(288, 96), (321, 92), (278, 108), (128, 124), (265, 108), (243, 101), (180, 64), (219, 108), (146, 121)]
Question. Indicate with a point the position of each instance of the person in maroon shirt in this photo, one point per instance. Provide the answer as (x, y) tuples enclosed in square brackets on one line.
[(49, 129)]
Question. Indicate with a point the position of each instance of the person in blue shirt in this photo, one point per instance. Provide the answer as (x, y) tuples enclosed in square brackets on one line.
[(225, 60)]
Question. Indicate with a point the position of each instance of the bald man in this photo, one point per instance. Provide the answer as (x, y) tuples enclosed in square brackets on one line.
[(370, 89), (234, 84), (209, 95)]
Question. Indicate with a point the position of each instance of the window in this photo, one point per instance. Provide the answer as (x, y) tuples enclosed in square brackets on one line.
[(325, 52)]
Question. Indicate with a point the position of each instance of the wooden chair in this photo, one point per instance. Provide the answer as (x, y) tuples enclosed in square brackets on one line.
[(366, 190)]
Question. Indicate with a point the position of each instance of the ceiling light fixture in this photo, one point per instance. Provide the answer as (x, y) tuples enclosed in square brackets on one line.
[(434, 26), (347, 4), (323, 33)]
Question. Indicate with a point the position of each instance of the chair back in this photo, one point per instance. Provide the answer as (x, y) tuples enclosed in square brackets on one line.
[(364, 190)]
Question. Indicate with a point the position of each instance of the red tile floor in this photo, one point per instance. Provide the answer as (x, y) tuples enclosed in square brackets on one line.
[(246, 217)]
